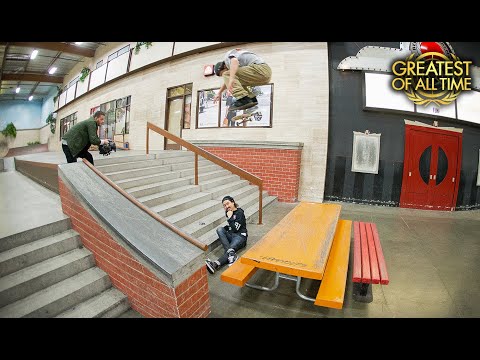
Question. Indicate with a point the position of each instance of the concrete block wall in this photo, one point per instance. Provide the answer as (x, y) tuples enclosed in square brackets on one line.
[(146, 293), (279, 168)]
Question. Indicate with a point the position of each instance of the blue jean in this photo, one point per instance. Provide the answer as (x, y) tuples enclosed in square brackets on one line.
[(230, 241)]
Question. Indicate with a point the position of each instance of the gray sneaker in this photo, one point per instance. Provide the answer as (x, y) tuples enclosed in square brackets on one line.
[(232, 257), (211, 266)]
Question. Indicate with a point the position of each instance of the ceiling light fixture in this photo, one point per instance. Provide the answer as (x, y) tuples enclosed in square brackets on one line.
[(78, 43), (30, 98), (34, 54), (17, 90), (52, 70)]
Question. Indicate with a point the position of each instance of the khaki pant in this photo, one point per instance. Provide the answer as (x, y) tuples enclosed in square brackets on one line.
[(246, 76)]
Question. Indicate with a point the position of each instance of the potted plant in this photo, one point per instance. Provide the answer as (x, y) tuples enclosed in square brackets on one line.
[(140, 44), (10, 131), (84, 73), (52, 121)]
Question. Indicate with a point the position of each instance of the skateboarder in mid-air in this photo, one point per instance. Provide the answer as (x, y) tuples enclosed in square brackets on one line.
[(242, 69)]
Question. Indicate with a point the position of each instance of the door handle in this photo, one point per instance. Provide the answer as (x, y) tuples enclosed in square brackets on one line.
[(430, 176), (434, 177), (453, 179), (409, 173)]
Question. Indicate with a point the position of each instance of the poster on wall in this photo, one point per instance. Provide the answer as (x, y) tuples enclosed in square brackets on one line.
[(219, 115), (366, 152), (208, 112), (478, 171)]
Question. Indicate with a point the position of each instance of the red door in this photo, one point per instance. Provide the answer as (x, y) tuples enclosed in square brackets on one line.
[(431, 168)]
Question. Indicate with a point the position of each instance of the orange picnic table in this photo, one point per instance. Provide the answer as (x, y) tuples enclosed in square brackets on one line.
[(310, 242)]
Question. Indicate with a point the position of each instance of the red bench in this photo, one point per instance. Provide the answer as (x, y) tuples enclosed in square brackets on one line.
[(369, 265)]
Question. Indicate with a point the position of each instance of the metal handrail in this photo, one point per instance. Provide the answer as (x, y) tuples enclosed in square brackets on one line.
[(153, 214), (213, 158)]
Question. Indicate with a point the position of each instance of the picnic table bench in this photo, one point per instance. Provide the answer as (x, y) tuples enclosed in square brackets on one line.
[(369, 266)]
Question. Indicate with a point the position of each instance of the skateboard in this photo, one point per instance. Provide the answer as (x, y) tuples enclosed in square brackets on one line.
[(246, 116)]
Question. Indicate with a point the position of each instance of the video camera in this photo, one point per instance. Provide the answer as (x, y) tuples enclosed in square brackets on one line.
[(106, 149)]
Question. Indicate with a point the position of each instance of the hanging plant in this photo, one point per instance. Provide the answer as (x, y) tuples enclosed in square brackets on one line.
[(140, 44), (52, 121), (10, 130), (85, 71), (59, 91)]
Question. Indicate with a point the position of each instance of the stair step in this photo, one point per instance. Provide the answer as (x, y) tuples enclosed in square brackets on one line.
[(176, 205), (59, 297), (36, 251), (24, 237), (122, 159), (110, 303), (193, 213), (31, 279), (131, 314)]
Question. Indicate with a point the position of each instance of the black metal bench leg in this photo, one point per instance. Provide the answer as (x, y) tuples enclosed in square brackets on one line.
[(362, 292)]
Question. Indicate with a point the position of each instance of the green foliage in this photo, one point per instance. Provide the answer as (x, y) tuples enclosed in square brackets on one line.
[(52, 121), (10, 130), (85, 71), (33, 143), (140, 44), (59, 91)]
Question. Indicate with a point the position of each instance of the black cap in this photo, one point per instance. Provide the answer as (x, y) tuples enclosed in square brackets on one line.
[(218, 67), (229, 198)]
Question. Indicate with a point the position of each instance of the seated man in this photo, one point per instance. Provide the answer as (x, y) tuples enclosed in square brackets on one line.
[(242, 69), (233, 236)]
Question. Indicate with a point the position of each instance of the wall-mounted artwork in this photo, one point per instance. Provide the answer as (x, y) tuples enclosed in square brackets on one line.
[(478, 171), (366, 152), (219, 115)]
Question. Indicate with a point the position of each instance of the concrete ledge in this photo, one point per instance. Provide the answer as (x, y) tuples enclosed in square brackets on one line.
[(169, 256), (249, 144)]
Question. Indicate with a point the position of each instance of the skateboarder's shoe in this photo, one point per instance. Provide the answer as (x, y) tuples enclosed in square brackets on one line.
[(242, 103)]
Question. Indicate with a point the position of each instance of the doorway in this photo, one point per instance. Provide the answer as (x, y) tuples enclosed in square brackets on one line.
[(431, 168), (178, 113)]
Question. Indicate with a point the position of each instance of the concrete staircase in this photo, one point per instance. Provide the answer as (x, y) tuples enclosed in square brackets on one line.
[(164, 182), (46, 272)]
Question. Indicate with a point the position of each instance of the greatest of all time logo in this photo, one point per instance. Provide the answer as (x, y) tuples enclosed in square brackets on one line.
[(432, 77)]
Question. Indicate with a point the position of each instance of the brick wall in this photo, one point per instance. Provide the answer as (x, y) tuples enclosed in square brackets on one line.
[(146, 293), (279, 168)]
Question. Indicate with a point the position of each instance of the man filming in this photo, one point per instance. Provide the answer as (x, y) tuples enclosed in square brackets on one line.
[(77, 140)]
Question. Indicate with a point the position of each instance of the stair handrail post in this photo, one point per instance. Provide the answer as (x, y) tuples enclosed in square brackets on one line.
[(196, 169), (260, 206), (148, 128)]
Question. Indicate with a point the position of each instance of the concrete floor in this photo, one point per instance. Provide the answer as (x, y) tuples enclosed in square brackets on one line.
[(432, 258), (432, 261)]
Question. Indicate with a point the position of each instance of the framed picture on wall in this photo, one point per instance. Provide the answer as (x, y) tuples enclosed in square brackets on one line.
[(366, 152), (211, 115), (478, 170), (207, 111)]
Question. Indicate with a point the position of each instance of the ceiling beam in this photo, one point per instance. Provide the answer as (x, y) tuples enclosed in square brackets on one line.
[(56, 46), (32, 77)]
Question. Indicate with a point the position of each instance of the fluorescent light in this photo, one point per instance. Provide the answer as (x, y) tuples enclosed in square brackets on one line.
[(30, 98), (78, 43), (52, 70), (34, 54), (17, 90)]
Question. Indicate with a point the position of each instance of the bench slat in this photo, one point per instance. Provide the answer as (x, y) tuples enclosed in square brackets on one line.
[(238, 274), (357, 255), (332, 287), (374, 271), (365, 258), (384, 280)]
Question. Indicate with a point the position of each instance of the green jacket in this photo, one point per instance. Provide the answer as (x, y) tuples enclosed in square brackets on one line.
[(82, 134)]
